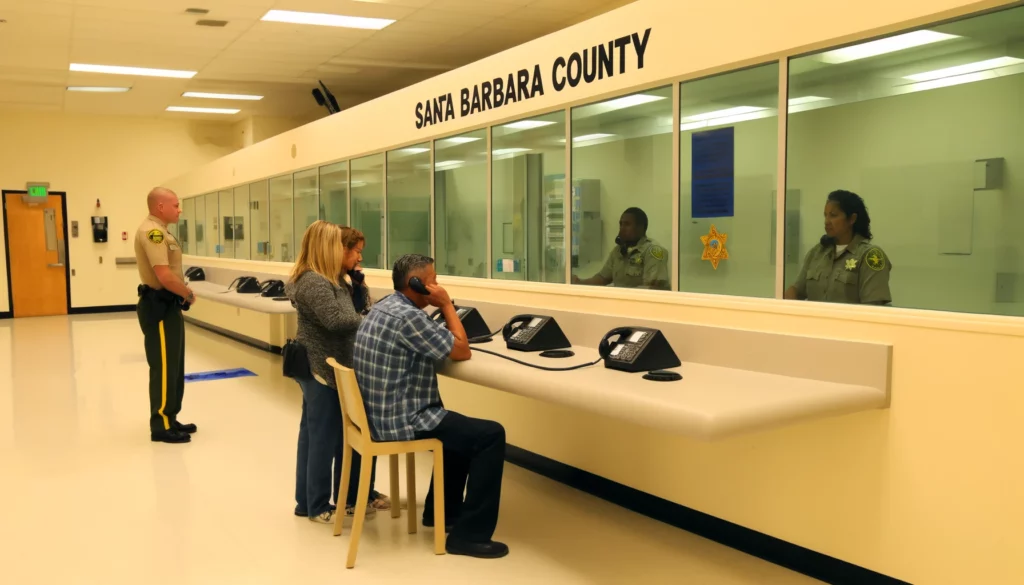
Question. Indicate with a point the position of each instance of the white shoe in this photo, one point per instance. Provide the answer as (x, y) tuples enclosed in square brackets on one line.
[(351, 512), (324, 518)]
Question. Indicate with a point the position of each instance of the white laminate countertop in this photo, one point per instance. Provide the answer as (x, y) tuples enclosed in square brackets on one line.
[(710, 402), (254, 302)]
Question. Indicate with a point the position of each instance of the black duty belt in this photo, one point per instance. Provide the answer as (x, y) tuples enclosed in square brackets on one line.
[(160, 294)]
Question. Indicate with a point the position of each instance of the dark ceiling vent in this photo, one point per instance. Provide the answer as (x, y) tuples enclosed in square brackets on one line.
[(196, 11), (214, 23)]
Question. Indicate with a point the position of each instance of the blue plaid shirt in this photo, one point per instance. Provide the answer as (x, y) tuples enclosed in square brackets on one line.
[(396, 349)]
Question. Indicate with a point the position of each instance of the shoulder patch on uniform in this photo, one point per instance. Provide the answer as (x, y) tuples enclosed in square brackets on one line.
[(155, 236), (657, 252), (875, 259)]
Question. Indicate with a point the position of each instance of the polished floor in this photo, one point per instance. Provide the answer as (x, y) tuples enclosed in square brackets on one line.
[(86, 498)]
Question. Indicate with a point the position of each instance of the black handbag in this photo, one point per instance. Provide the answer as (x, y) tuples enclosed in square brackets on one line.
[(296, 361)]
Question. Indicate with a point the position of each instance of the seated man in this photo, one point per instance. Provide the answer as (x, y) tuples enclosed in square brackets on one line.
[(396, 349), (636, 261)]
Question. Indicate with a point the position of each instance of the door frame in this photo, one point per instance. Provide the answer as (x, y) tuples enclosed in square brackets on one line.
[(7, 248)]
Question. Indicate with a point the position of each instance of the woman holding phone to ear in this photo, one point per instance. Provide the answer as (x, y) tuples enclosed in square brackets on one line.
[(328, 291)]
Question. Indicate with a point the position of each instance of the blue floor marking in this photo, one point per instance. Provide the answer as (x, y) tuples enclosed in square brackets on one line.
[(218, 375)]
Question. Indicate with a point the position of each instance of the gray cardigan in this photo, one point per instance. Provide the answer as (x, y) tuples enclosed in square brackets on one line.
[(327, 322)]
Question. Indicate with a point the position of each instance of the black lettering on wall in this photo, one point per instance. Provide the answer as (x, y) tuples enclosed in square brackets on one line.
[(590, 65), (510, 90), (464, 108), (475, 107), (605, 58), (620, 44), (438, 109), (486, 91), (574, 78), (538, 82), (641, 47), (499, 92), (558, 80), (428, 116), (449, 108), (523, 85), (419, 115)]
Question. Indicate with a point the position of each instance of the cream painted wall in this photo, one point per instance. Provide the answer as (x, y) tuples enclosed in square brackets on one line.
[(115, 160)]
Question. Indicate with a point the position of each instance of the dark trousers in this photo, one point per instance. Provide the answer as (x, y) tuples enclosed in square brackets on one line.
[(474, 450), (320, 446), (164, 332)]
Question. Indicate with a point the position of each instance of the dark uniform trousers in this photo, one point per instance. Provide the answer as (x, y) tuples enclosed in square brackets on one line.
[(162, 325)]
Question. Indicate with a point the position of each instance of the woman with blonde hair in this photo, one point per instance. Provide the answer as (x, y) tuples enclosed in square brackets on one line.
[(327, 290)]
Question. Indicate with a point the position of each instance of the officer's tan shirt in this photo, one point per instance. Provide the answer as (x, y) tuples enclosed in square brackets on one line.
[(644, 265), (155, 246), (860, 274)]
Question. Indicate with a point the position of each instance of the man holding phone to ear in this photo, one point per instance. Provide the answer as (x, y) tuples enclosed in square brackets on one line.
[(396, 351)]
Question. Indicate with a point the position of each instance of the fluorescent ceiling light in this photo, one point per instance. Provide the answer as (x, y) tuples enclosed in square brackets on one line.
[(528, 124), (725, 113), (415, 150), (202, 110), (806, 100), (630, 101), (140, 71), (502, 151), (586, 137), (98, 89), (448, 164), (459, 139), (883, 46), (725, 120), (949, 81), (964, 69), (221, 96), (321, 19)]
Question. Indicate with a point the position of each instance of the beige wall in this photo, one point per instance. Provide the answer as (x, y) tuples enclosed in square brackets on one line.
[(115, 160)]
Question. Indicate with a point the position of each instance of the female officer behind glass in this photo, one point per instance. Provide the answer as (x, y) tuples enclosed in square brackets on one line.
[(845, 267)]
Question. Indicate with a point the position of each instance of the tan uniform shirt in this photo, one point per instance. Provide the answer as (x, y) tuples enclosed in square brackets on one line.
[(860, 274), (644, 265), (155, 246)]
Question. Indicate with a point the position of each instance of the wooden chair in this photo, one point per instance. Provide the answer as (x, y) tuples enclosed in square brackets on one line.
[(357, 437)]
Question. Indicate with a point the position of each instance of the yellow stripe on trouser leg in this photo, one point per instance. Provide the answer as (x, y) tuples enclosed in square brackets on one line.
[(163, 377)]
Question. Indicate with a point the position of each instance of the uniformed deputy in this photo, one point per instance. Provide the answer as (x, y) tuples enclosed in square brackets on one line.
[(162, 296), (846, 267), (636, 261)]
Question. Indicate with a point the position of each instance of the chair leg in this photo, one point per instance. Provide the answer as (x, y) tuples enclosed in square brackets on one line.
[(439, 525), (346, 478), (396, 497), (410, 484), (362, 500)]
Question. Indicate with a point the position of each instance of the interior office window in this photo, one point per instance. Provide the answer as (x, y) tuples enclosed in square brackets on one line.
[(334, 193), (259, 221), (187, 226), (307, 202), (621, 196), (213, 233), (281, 246), (528, 199), (236, 231), (200, 247), (368, 207), (227, 212), (925, 127), (408, 192), (460, 204), (728, 148)]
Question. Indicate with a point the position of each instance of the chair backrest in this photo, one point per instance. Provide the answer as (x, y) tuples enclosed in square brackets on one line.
[(353, 413)]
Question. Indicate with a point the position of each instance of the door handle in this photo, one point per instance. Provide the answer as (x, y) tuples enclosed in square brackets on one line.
[(60, 256)]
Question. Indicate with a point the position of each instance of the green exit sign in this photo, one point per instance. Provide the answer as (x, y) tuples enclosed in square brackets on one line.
[(38, 191)]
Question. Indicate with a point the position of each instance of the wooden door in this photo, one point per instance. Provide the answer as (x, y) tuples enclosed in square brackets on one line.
[(37, 256)]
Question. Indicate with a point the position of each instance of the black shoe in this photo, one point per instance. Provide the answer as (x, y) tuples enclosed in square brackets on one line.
[(480, 550), (184, 427), (171, 436)]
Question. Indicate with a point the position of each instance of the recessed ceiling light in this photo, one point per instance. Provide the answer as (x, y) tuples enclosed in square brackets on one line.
[(202, 110), (415, 150), (630, 101), (502, 151), (528, 124), (740, 110), (964, 69), (221, 96), (321, 19), (586, 137), (140, 71), (459, 139), (883, 46), (98, 89), (808, 99)]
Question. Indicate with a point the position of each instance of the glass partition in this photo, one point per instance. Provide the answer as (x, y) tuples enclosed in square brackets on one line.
[(460, 204), (201, 248), (528, 199), (902, 152), (728, 148), (226, 202), (408, 205), (212, 231), (187, 226), (307, 202), (281, 247), (368, 207), (259, 221), (235, 230), (334, 193), (622, 191)]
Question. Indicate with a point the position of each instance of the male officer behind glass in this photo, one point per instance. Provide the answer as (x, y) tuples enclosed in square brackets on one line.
[(162, 296), (636, 261)]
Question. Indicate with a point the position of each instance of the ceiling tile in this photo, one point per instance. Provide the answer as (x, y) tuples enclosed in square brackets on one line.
[(473, 7), (451, 18)]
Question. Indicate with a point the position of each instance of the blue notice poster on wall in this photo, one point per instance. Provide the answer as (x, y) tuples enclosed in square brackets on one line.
[(713, 186)]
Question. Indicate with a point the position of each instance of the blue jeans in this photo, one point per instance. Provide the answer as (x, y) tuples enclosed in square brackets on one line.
[(320, 445)]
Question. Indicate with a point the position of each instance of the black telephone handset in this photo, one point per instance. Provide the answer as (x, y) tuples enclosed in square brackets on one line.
[(195, 274), (417, 286), (272, 288), (245, 285), (637, 349), (534, 333)]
